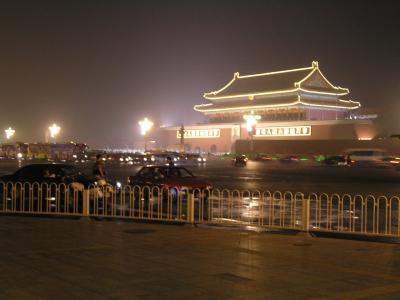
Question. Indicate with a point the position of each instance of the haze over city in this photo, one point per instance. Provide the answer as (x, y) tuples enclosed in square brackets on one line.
[(97, 67)]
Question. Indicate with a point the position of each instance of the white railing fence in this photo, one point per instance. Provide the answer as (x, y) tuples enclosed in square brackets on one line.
[(346, 213)]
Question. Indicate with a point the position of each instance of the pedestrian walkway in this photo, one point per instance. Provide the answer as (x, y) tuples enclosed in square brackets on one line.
[(49, 258)]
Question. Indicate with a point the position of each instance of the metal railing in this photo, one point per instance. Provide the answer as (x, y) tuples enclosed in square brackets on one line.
[(346, 213)]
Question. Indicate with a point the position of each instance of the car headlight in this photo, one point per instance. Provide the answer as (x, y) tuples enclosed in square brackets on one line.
[(199, 159), (204, 159)]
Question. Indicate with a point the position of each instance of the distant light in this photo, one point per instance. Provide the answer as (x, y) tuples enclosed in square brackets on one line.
[(251, 121), (364, 139), (9, 133), (19, 155), (145, 126), (54, 130)]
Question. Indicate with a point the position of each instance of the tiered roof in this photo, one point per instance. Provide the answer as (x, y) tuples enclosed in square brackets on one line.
[(297, 87)]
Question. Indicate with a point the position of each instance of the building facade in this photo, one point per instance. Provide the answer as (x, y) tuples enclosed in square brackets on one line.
[(297, 104)]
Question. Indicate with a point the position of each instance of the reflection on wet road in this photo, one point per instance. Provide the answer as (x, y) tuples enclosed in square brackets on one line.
[(304, 177)]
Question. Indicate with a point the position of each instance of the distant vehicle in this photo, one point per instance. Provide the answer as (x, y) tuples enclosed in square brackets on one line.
[(264, 157), (290, 158), (149, 159), (375, 157), (336, 160), (167, 177), (240, 161), (196, 157)]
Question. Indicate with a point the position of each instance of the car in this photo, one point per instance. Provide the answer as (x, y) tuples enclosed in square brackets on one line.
[(167, 188), (167, 177), (366, 157), (196, 157), (392, 160), (50, 182), (289, 159), (49, 174), (336, 160), (240, 160)]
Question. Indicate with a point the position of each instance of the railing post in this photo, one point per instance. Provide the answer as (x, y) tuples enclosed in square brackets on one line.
[(190, 207), (306, 215), (86, 198)]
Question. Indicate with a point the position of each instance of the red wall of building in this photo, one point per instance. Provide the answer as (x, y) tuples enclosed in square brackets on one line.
[(330, 131), (221, 144)]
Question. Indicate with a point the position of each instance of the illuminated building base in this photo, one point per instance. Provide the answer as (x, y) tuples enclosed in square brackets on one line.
[(222, 138)]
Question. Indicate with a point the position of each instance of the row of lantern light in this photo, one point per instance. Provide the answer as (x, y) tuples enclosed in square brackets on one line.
[(145, 127), (54, 130)]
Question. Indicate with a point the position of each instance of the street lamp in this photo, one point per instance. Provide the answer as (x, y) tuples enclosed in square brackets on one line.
[(251, 122), (145, 126), (54, 130), (9, 133)]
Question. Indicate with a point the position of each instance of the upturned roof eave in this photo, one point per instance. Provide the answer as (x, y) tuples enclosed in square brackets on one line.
[(340, 104), (292, 86)]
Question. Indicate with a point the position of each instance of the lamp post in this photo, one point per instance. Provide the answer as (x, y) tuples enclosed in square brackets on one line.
[(54, 131), (145, 126), (182, 136), (251, 122), (9, 133)]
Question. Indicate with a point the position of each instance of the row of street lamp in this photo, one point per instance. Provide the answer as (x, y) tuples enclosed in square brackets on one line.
[(54, 130), (145, 127)]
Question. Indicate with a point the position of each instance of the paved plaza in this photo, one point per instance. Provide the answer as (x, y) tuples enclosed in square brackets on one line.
[(52, 258)]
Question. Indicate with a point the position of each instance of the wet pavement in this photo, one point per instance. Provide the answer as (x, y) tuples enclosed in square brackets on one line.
[(52, 258), (301, 176)]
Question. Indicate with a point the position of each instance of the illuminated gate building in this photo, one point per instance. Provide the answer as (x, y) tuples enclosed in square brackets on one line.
[(291, 105)]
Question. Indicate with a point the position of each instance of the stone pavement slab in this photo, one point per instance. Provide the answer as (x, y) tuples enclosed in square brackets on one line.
[(51, 258)]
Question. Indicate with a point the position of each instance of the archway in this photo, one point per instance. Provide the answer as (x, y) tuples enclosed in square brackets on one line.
[(213, 148)]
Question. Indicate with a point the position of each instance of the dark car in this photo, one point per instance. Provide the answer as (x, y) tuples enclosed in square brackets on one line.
[(48, 173), (336, 160), (167, 177), (46, 187), (240, 161)]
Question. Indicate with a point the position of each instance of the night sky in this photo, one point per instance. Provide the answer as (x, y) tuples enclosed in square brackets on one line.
[(97, 67)]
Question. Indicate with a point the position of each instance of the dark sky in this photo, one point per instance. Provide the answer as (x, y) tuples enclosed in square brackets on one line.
[(97, 67)]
